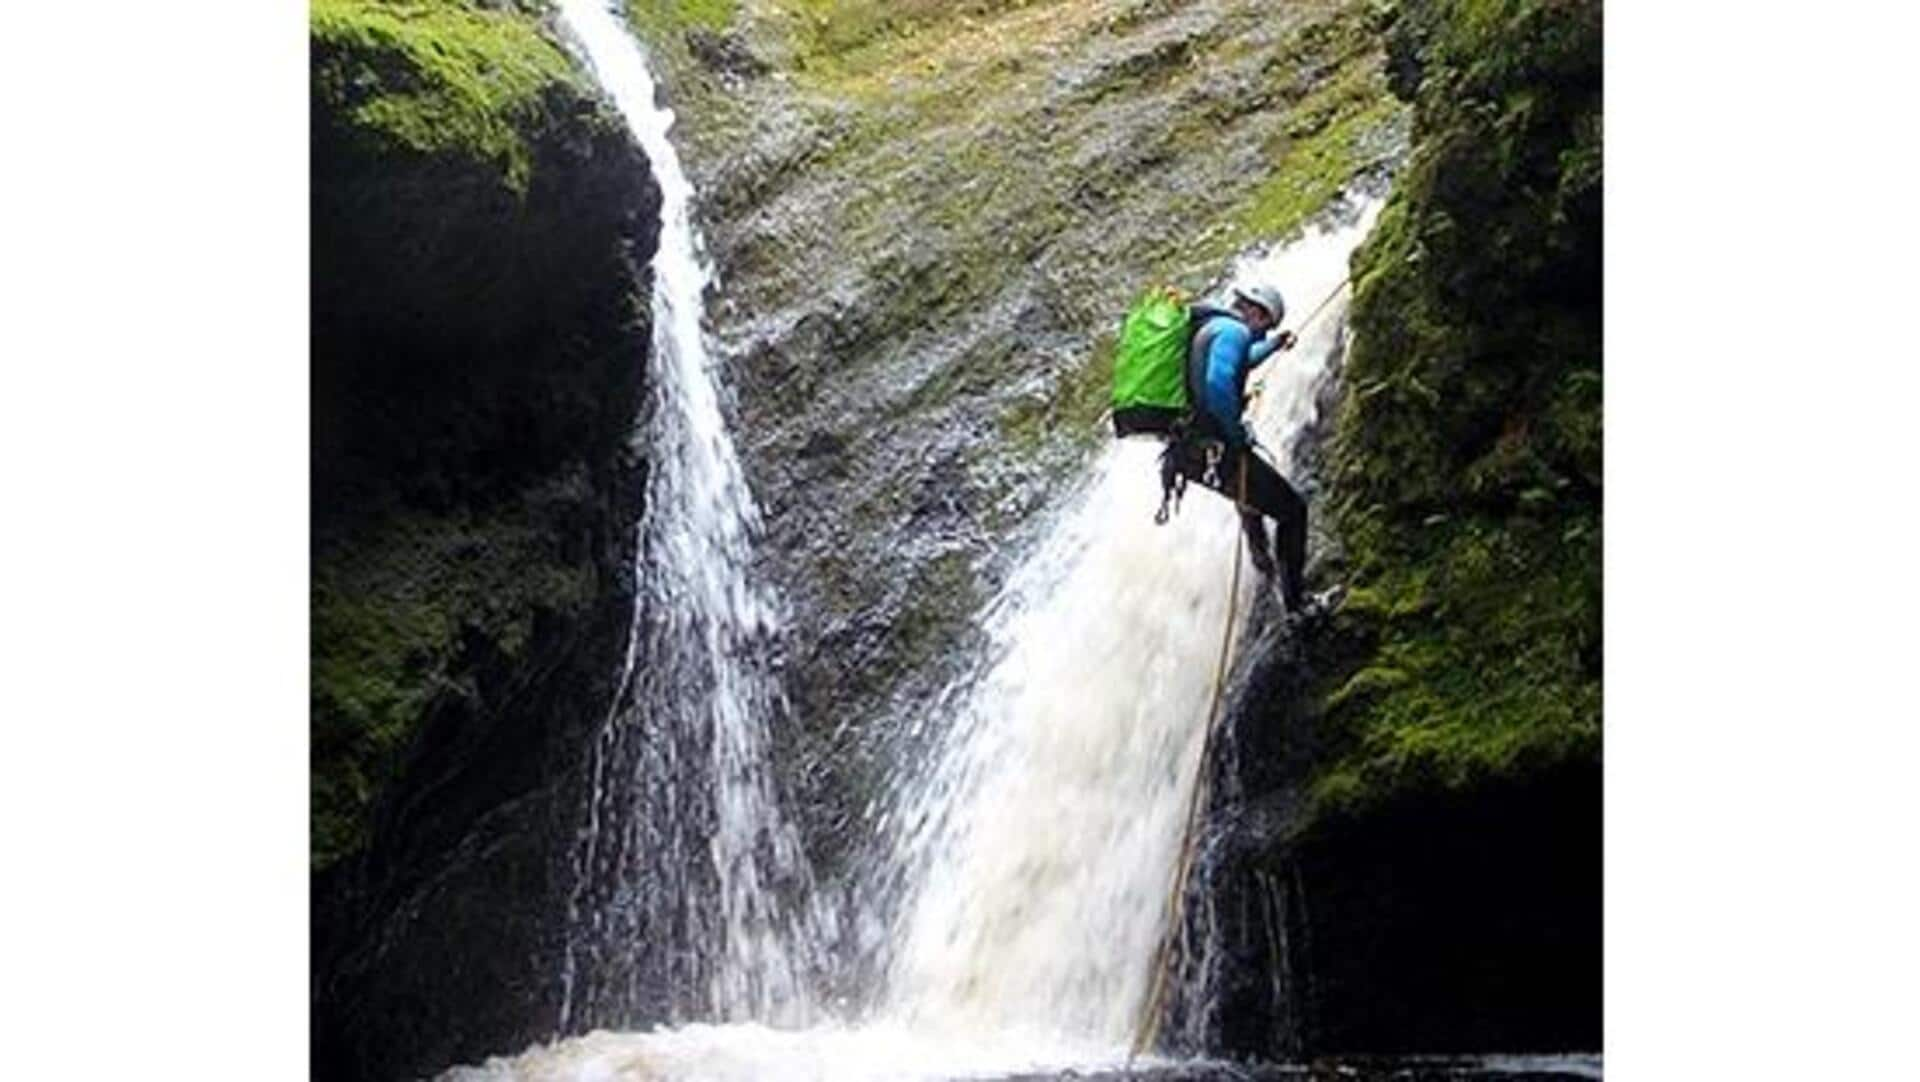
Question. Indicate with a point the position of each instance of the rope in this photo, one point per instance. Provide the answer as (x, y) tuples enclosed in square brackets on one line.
[(1324, 301), (1304, 324), (1148, 1028), (1147, 1031)]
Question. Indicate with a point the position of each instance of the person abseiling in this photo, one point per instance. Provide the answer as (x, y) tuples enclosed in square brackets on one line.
[(1216, 447)]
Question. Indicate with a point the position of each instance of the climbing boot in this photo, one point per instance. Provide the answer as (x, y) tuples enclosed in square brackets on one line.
[(1316, 605)]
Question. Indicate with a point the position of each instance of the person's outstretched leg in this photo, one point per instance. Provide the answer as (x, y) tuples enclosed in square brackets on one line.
[(1255, 526), (1290, 538), (1268, 495), (1271, 495)]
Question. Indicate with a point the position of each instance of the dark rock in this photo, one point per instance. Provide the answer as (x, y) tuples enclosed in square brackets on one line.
[(1566, 1068), (478, 357), (725, 54), (822, 443), (1455, 921)]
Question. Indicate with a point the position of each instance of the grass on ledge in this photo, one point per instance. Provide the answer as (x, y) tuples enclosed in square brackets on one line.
[(438, 77)]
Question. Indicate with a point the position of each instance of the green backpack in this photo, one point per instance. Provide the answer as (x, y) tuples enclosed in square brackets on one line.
[(1150, 364)]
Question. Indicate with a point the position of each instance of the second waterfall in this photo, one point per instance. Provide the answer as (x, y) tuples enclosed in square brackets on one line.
[(690, 888)]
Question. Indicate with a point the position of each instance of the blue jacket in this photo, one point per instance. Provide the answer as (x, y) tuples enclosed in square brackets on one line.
[(1231, 352)]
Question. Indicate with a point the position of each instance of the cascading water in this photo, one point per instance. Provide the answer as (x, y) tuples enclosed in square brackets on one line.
[(685, 860), (1038, 843), (1043, 840)]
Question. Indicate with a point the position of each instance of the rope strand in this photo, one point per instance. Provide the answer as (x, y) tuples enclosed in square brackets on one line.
[(1148, 1028), (1324, 301), (1261, 385)]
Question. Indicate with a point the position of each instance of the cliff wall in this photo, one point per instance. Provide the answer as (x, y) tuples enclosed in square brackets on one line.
[(482, 224)]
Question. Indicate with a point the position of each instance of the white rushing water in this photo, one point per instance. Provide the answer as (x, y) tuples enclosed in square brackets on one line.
[(684, 849), (1040, 836), (1043, 840)]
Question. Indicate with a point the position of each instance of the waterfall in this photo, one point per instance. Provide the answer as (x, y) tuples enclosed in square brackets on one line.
[(1042, 840), (1036, 841), (685, 863)]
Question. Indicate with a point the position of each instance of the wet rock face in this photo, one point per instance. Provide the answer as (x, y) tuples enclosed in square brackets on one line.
[(479, 339), (926, 236)]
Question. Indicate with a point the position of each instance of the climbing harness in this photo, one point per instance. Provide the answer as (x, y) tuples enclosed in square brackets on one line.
[(1147, 1029), (1173, 483)]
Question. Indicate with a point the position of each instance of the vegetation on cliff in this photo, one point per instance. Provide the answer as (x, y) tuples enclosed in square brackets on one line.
[(482, 225), (441, 77), (1466, 468), (471, 198)]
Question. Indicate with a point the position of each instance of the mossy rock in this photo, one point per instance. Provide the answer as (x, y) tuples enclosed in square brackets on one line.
[(440, 77), (482, 227), (472, 196), (1466, 465)]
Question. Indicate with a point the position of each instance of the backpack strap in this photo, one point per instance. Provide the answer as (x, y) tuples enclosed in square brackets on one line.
[(1201, 318)]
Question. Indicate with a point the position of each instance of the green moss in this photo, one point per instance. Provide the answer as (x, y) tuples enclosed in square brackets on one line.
[(398, 611), (1466, 462), (1075, 406), (470, 193), (843, 37), (655, 17), (1331, 107), (1313, 166), (1485, 658), (1337, 106), (438, 77)]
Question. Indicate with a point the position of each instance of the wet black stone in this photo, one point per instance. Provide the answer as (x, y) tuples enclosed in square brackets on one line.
[(478, 362)]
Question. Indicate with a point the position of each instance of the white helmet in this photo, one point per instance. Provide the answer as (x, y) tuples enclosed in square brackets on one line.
[(1265, 297)]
